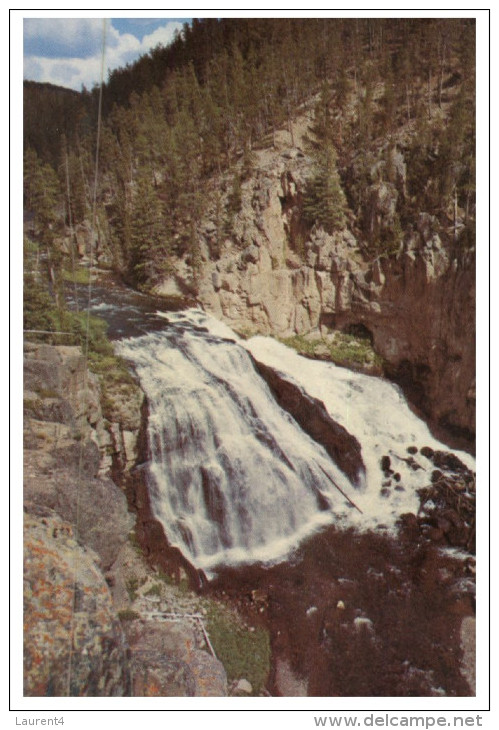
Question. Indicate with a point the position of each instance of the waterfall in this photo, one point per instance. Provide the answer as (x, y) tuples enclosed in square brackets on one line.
[(231, 475)]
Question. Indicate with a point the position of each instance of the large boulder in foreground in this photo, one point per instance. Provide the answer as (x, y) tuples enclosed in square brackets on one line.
[(73, 643), (166, 662)]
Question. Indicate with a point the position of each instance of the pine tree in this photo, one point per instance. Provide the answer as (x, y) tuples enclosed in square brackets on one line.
[(212, 135), (323, 113), (324, 200), (366, 108), (43, 192), (149, 250), (341, 87), (389, 103)]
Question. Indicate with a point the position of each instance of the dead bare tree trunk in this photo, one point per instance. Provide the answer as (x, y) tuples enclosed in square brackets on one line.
[(429, 93)]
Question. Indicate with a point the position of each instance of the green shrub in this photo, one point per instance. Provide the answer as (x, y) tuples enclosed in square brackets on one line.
[(246, 332), (47, 393), (154, 590), (128, 615), (244, 654), (301, 344), (39, 311), (80, 275), (111, 367), (132, 585), (346, 350), (349, 349), (91, 329), (166, 578)]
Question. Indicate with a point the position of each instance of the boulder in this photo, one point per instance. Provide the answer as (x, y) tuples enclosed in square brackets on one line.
[(166, 661), (243, 687), (73, 643)]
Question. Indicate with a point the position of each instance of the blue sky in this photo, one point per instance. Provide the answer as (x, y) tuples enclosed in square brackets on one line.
[(67, 51)]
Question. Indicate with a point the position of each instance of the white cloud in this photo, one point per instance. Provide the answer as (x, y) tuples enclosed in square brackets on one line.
[(164, 35), (71, 72), (74, 70), (62, 37), (32, 69)]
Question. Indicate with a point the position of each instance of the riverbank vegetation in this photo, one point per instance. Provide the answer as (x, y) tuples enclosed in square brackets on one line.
[(47, 319), (348, 350)]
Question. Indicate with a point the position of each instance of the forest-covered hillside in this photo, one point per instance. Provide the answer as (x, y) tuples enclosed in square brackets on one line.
[(181, 116)]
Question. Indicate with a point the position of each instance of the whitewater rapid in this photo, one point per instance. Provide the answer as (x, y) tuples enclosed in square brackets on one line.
[(231, 475)]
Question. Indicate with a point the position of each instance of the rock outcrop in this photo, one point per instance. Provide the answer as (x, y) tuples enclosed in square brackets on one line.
[(66, 455), (58, 389), (419, 306), (76, 522)]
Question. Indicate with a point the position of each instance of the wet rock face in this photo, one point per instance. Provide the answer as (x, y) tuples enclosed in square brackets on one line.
[(314, 419), (447, 511), (73, 643)]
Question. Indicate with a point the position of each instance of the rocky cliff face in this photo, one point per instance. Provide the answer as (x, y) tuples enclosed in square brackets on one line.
[(80, 568), (76, 522), (417, 304)]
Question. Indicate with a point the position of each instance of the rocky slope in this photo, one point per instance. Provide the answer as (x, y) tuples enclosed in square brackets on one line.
[(87, 624), (417, 305)]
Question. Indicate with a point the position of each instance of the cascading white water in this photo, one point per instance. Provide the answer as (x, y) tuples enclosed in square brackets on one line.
[(375, 412), (232, 477)]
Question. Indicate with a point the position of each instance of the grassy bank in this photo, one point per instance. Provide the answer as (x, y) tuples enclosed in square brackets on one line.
[(340, 348)]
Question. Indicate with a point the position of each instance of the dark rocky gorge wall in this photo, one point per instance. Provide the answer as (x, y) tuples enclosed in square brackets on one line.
[(422, 319)]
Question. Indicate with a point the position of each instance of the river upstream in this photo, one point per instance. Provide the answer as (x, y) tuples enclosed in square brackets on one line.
[(350, 542)]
